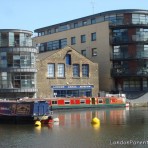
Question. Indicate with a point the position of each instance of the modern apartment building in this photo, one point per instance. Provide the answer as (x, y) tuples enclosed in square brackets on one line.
[(17, 64), (66, 73), (117, 40)]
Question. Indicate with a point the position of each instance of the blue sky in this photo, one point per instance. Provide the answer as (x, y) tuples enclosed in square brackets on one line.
[(34, 14)]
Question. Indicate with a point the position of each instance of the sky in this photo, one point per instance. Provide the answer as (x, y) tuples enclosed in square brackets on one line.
[(34, 14)]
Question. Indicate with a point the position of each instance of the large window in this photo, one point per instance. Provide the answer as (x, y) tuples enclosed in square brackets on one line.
[(85, 70), (56, 44), (73, 93), (61, 70), (83, 38), (76, 70), (131, 85), (139, 18), (51, 70)]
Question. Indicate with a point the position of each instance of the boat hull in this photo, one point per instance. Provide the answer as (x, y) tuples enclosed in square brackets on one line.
[(99, 106), (23, 111)]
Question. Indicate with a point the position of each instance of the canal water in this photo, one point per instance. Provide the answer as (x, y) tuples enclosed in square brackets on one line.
[(118, 128)]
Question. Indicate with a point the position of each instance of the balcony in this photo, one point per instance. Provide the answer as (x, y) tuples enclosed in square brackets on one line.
[(124, 56), (122, 23), (124, 72)]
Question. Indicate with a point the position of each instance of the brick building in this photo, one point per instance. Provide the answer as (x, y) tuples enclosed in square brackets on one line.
[(66, 73)]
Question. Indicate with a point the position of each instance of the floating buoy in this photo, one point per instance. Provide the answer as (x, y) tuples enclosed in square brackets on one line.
[(95, 120), (37, 123)]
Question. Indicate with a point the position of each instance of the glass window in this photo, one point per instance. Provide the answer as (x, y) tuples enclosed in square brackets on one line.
[(11, 38), (83, 52), (93, 36), (73, 40), (76, 70), (94, 51), (83, 38), (93, 21), (75, 25), (62, 43), (68, 59), (61, 70), (25, 59), (84, 23), (22, 39), (3, 59), (51, 70), (85, 70), (56, 44)]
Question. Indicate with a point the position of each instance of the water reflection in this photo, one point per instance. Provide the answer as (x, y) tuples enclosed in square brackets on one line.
[(74, 130), (83, 118)]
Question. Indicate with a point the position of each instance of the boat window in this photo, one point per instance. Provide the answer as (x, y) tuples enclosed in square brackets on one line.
[(54, 102), (67, 102), (82, 101), (100, 101)]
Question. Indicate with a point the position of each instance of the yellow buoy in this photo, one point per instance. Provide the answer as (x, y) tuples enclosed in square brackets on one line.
[(95, 120), (37, 123)]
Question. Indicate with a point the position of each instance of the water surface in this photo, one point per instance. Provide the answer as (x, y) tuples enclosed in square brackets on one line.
[(118, 128)]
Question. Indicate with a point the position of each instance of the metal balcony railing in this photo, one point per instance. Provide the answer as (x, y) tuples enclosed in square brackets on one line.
[(120, 72), (125, 56)]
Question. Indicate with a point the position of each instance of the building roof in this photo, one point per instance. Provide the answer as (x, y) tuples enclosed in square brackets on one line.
[(94, 15)]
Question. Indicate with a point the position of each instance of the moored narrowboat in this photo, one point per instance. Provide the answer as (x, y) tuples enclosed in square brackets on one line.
[(21, 111), (110, 100)]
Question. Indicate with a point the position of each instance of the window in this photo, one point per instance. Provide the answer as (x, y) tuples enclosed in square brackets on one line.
[(93, 36), (49, 31), (84, 23), (56, 44), (76, 70), (85, 70), (61, 70), (51, 70), (83, 52), (75, 25), (94, 51), (93, 21), (73, 40), (83, 38), (68, 59)]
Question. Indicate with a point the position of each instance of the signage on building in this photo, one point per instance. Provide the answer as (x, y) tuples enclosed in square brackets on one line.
[(72, 86)]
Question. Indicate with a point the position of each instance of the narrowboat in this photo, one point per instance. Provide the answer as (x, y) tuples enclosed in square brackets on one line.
[(24, 111), (110, 100)]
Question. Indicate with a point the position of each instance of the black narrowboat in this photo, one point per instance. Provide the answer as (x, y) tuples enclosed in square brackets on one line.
[(24, 111)]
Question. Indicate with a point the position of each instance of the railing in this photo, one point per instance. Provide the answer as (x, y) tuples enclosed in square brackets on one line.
[(125, 56), (119, 72)]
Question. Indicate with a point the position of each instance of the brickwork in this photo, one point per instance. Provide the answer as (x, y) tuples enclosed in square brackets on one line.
[(44, 83)]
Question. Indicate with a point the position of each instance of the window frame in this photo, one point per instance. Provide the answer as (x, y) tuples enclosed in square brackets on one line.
[(93, 36), (85, 70), (61, 70), (76, 70), (83, 38), (51, 72)]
